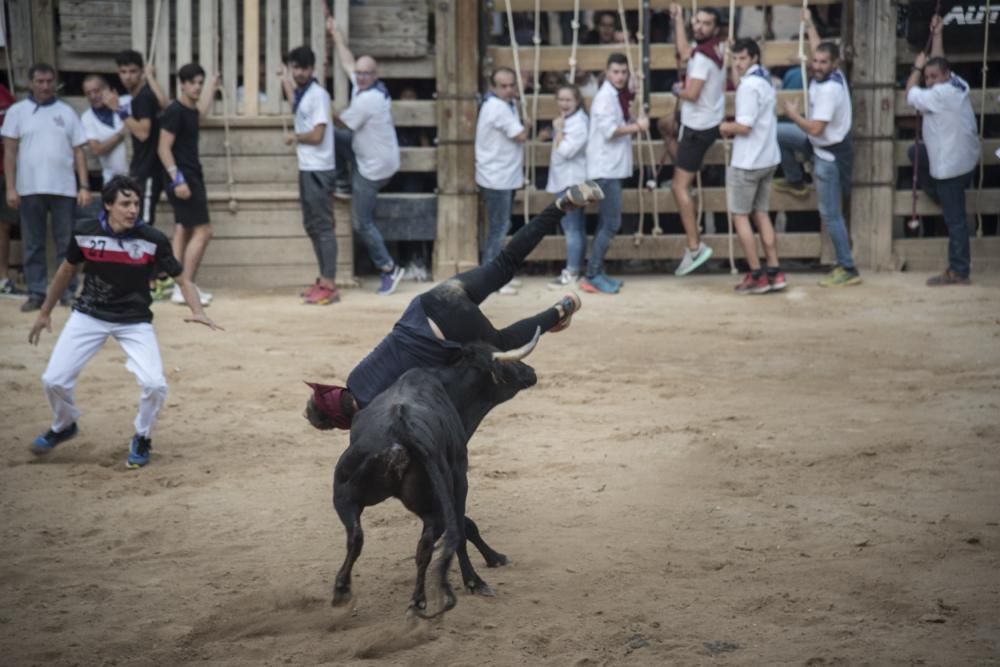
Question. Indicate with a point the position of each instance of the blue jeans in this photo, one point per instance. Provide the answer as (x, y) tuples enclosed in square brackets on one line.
[(609, 221), (950, 194), (574, 226), (829, 188), (364, 195), (34, 212), (498, 206)]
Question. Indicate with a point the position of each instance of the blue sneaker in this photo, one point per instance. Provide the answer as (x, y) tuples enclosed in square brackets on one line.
[(47, 441), (390, 281), (599, 284), (138, 452)]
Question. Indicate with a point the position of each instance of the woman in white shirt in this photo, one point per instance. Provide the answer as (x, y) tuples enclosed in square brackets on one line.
[(568, 166)]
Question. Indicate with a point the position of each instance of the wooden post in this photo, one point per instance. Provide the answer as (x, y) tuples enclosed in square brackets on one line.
[(20, 42), (272, 55), (295, 26), (230, 53), (208, 37), (140, 30), (162, 48), (185, 35), (43, 31), (456, 64), (873, 46), (317, 38), (251, 56), (341, 89)]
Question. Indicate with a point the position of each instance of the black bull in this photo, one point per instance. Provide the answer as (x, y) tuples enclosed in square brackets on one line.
[(411, 443)]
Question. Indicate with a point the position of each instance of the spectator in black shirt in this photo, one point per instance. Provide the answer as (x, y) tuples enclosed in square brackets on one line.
[(119, 251), (186, 186)]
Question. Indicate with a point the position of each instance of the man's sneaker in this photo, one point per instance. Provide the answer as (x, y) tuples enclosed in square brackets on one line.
[(47, 441), (569, 304), (33, 303), (321, 295), (309, 290), (746, 285), (580, 195), (390, 281), (138, 452), (9, 290), (599, 284), (514, 282), (178, 296), (507, 290), (794, 189), (160, 288), (563, 280), (342, 190), (692, 260), (777, 281), (840, 277), (947, 278)]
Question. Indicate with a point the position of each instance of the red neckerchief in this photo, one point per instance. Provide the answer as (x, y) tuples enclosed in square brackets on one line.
[(625, 97), (711, 48)]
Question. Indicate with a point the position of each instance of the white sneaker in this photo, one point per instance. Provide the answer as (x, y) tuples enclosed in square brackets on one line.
[(178, 296), (204, 297), (563, 280), (508, 290), (692, 260), (514, 282)]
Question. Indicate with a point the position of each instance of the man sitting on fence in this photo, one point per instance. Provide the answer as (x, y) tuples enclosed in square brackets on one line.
[(367, 143), (950, 151)]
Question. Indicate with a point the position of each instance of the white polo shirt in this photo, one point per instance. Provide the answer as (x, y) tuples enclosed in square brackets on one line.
[(313, 109), (370, 117), (46, 137), (568, 163), (709, 109), (499, 159), (608, 156), (755, 101), (949, 127), (830, 100), (114, 163)]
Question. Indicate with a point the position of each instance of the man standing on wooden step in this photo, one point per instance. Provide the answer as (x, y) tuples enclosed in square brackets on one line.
[(500, 138), (950, 151), (178, 152), (367, 143), (703, 107), (313, 141)]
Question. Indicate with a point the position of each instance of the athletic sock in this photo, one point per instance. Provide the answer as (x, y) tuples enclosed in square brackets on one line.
[(755, 274), (773, 271)]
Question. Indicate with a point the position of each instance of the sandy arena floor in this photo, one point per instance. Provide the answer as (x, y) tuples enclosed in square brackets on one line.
[(809, 478)]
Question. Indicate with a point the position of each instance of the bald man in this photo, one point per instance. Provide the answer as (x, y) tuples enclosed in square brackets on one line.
[(365, 138)]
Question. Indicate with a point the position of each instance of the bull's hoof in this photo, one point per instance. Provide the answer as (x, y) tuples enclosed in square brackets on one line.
[(499, 561), (481, 588), (340, 598)]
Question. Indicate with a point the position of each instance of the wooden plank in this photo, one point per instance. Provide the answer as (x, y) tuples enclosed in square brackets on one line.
[(398, 30), (905, 53), (341, 82), (140, 31), (662, 56), (988, 152), (284, 168), (251, 56), (975, 95), (184, 52), (567, 5), (714, 200), (110, 8), (288, 278), (250, 252), (295, 25), (317, 38), (989, 203), (230, 52), (43, 31), (931, 254), (21, 47), (623, 246), (208, 37), (405, 113), (415, 68), (161, 50), (272, 56)]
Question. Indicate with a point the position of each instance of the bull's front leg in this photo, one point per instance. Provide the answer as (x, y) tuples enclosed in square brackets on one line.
[(349, 510), (425, 549), (492, 558), (473, 582)]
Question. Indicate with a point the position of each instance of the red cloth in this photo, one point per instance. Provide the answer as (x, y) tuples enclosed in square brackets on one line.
[(712, 48), (625, 97), (327, 399), (6, 101)]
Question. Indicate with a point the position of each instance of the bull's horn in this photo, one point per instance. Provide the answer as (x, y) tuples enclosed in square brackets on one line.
[(521, 352)]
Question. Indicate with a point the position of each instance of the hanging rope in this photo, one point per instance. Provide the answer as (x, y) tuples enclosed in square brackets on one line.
[(576, 34), (520, 93), (726, 143), (701, 206), (531, 157), (6, 50), (914, 222), (803, 58), (227, 141), (652, 183), (151, 51), (633, 77), (982, 120)]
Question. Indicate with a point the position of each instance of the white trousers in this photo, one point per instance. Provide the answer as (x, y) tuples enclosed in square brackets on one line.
[(79, 341)]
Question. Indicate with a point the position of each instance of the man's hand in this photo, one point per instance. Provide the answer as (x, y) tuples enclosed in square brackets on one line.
[(13, 199), (677, 88), (331, 27), (676, 12), (792, 106), (182, 191), (281, 71), (150, 71), (642, 123), (920, 60), (806, 17), (43, 321), (937, 24), (558, 122), (289, 139), (198, 319), (83, 197), (111, 100)]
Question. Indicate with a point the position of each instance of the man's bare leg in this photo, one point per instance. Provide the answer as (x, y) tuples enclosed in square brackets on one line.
[(743, 229), (195, 250), (667, 125), (4, 250), (181, 237), (685, 205), (768, 238)]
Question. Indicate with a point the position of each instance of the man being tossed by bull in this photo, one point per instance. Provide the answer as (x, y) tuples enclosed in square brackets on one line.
[(438, 322)]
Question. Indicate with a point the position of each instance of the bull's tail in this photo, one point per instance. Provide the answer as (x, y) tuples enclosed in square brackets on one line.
[(400, 431)]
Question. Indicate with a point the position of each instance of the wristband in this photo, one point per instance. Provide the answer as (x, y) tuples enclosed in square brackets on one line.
[(124, 110), (178, 178)]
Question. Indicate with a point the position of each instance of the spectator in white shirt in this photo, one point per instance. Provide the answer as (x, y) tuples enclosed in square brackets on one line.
[(703, 106), (824, 137), (755, 158), (609, 162), (313, 139), (368, 143), (500, 137), (948, 157), (567, 167), (104, 130), (43, 145)]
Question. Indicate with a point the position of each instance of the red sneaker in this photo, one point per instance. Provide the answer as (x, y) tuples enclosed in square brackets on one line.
[(778, 281), (309, 290), (746, 285), (761, 285), (321, 295)]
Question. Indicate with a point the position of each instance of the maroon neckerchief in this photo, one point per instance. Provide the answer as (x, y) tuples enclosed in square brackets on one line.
[(711, 49), (625, 97)]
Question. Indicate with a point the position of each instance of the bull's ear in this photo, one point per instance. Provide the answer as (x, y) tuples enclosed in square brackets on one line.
[(521, 352)]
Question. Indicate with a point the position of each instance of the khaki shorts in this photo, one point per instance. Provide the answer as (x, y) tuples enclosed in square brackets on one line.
[(748, 190)]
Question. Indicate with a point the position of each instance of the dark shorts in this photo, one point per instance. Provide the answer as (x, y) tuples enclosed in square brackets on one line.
[(693, 146), (192, 211), (151, 187)]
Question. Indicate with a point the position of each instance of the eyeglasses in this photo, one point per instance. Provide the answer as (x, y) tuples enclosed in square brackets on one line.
[(359, 72)]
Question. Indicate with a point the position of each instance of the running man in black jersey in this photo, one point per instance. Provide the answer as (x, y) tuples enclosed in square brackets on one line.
[(120, 252)]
